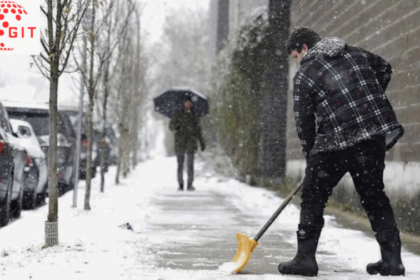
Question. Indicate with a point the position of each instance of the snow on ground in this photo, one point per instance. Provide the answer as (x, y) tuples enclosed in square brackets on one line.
[(173, 233), (402, 179)]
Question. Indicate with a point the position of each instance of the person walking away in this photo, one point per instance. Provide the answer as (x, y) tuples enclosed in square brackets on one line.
[(345, 124), (187, 130)]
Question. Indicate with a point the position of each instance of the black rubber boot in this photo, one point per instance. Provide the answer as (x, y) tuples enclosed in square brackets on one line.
[(391, 263), (304, 262), (191, 188), (181, 187)]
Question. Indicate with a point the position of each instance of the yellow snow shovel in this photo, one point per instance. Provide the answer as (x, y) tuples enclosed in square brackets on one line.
[(247, 245)]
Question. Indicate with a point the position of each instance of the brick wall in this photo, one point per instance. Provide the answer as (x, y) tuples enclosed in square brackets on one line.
[(389, 28)]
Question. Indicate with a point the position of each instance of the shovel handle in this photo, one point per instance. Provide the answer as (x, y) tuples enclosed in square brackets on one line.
[(279, 210)]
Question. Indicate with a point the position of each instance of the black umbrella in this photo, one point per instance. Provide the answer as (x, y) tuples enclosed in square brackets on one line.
[(173, 99)]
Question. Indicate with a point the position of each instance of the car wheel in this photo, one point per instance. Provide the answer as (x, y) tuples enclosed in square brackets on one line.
[(40, 199), (71, 183), (17, 205), (29, 200), (30, 197), (61, 189), (5, 204), (68, 187)]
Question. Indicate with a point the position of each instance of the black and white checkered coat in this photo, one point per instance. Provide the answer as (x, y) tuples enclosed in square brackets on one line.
[(339, 98)]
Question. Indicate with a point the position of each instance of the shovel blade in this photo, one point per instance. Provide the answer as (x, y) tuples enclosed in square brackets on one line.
[(246, 246)]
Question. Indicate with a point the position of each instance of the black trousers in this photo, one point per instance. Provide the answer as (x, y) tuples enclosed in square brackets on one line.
[(190, 168), (366, 163)]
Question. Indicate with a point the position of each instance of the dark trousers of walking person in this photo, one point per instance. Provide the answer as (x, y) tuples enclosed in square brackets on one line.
[(190, 169), (365, 162)]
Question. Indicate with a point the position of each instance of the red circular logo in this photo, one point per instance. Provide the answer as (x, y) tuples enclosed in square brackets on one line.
[(10, 12)]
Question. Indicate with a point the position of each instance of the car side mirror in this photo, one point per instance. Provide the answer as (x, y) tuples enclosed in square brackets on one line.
[(24, 132)]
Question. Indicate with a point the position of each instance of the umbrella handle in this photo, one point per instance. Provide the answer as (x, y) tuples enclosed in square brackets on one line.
[(279, 210)]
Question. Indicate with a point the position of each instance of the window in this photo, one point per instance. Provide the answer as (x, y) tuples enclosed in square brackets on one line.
[(24, 132)]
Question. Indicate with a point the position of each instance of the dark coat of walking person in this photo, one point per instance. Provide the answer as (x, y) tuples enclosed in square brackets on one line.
[(345, 124), (188, 134)]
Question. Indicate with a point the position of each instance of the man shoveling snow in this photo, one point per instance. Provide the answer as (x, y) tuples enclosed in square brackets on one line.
[(342, 88)]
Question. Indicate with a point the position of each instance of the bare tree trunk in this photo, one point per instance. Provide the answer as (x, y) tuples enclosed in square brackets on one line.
[(89, 155), (104, 108), (126, 151), (51, 226), (91, 92), (120, 154), (135, 137), (52, 153), (104, 132), (139, 84), (122, 144), (126, 99)]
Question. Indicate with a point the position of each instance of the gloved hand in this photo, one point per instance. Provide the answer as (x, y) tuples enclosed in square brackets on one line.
[(203, 146)]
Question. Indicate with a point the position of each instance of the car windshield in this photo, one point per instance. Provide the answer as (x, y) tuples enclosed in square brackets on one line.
[(74, 121), (39, 120), (40, 124)]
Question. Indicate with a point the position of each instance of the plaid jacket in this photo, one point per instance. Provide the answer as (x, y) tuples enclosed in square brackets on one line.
[(339, 98)]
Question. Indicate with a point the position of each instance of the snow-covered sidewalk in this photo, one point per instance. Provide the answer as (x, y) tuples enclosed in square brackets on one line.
[(176, 235)]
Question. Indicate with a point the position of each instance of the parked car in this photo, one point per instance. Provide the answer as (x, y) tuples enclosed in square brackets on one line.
[(35, 172), (38, 116), (83, 155), (112, 140), (73, 117), (109, 142), (12, 163)]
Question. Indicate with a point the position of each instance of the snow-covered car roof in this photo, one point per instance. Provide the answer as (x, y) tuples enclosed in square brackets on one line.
[(28, 105), (69, 108), (36, 105), (15, 123)]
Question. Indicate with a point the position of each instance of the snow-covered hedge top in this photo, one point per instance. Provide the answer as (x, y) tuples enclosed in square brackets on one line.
[(249, 34)]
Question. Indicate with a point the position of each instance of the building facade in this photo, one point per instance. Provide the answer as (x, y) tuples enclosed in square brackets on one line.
[(389, 28)]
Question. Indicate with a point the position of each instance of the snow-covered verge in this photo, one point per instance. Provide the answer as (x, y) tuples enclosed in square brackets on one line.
[(402, 179), (402, 184), (97, 245), (92, 245)]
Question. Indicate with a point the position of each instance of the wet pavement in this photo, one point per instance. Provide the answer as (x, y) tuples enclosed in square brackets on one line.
[(197, 231), (191, 234), (201, 228)]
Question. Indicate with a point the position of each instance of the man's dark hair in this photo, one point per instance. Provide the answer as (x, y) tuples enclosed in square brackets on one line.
[(300, 36)]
